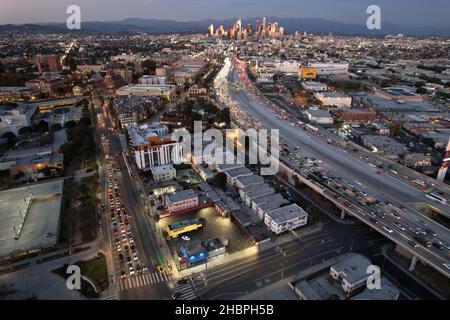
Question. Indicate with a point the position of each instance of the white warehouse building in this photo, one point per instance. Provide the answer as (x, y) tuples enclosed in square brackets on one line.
[(285, 218)]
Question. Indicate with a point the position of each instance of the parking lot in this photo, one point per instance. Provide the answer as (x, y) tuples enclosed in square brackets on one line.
[(214, 226)]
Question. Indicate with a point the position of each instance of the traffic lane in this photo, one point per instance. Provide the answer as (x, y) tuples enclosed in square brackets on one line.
[(437, 258), (327, 149), (271, 118), (377, 184), (257, 258), (132, 195), (283, 267), (285, 253), (158, 291), (324, 151), (306, 137)]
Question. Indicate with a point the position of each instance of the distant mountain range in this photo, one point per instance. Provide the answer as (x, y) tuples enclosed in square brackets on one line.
[(314, 25)]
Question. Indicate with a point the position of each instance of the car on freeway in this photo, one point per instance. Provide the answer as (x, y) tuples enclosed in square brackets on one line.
[(128, 259), (438, 245), (186, 238), (373, 220), (387, 229), (123, 274), (431, 232), (421, 231), (395, 215), (399, 226), (413, 244)]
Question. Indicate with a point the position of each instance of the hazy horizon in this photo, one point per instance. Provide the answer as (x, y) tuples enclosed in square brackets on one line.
[(401, 12)]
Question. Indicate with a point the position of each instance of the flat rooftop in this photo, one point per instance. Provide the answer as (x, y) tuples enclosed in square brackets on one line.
[(388, 291), (168, 168), (182, 195), (287, 213), (239, 172), (39, 217), (259, 190), (354, 268), (251, 180)]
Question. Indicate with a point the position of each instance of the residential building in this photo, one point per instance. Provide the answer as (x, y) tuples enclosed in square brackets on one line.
[(151, 146), (152, 80), (49, 63)]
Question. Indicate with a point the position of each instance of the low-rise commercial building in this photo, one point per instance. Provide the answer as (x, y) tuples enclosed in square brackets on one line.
[(314, 86), (15, 116), (233, 175), (181, 200), (148, 90), (384, 145), (285, 218), (319, 116), (351, 273), (334, 99), (329, 68), (254, 192), (163, 173), (248, 181)]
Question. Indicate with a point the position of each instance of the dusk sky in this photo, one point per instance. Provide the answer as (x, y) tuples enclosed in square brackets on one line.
[(404, 12)]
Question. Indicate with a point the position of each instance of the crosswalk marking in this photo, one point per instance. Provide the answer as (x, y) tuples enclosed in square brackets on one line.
[(186, 291), (143, 280), (112, 297)]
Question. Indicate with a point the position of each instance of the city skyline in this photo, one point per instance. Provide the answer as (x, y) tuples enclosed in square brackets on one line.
[(259, 159), (348, 11)]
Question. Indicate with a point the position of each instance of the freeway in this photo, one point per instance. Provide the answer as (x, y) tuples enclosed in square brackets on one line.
[(383, 187)]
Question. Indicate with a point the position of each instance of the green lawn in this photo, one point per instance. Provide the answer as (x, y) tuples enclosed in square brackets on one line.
[(95, 269)]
